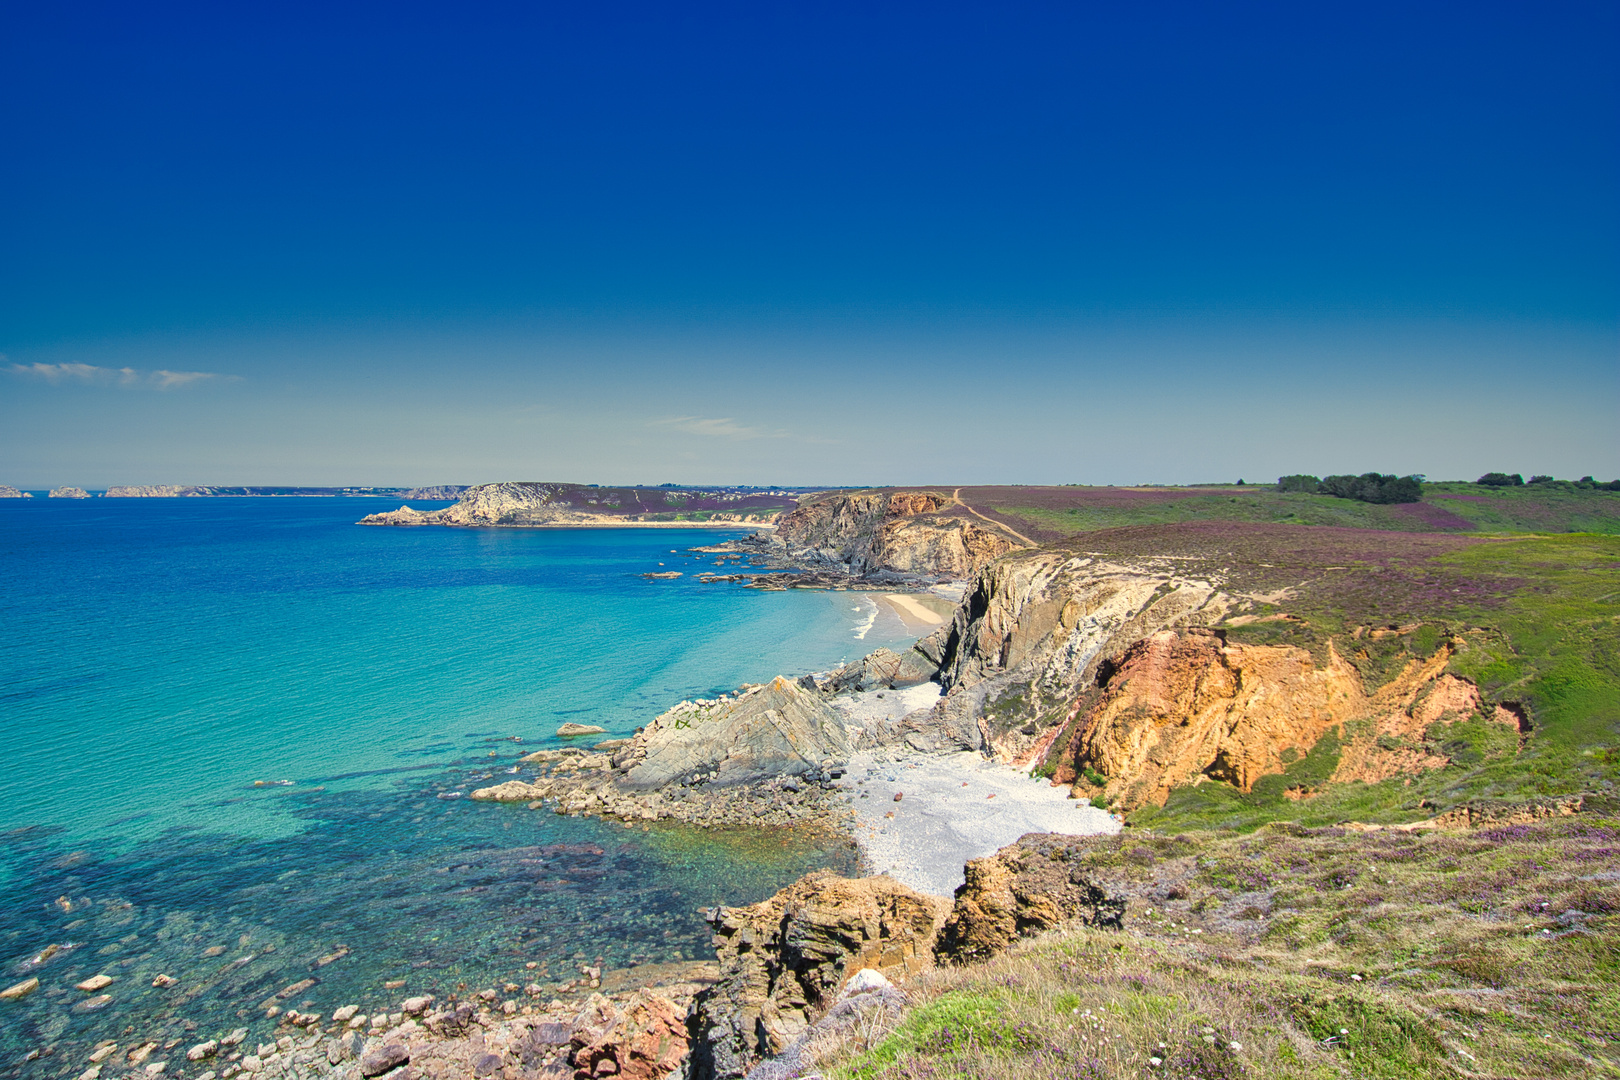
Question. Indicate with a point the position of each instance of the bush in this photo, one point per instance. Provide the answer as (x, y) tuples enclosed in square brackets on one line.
[(1298, 482), (1497, 479), (1541, 478), (1373, 488)]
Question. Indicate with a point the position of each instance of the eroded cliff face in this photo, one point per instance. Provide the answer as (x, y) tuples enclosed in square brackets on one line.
[(1032, 629), (1185, 707), (908, 532), (783, 961)]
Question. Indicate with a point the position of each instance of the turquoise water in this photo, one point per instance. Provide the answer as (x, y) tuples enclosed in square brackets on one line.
[(159, 657)]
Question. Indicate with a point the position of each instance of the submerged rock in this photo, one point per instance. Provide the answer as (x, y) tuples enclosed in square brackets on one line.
[(571, 729)]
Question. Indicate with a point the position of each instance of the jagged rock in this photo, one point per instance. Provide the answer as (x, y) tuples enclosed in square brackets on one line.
[(8, 492), (1023, 889), (69, 493), (784, 960), (203, 1050), (881, 670), (645, 1040), (1185, 705), (871, 532), (780, 729), (867, 1008)]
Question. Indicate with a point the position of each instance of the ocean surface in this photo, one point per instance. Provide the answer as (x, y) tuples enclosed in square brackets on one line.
[(238, 734)]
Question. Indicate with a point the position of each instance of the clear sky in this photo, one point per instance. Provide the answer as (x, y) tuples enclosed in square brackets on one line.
[(807, 244)]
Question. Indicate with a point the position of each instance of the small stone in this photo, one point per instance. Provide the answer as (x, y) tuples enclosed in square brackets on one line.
[(1155, 1062), (92, 1073), (234, 1038), (571, 729), (100, 1001), (509, 1007), (1234, 1046), (295, 989), (104, 1051), (416, 1006), (203, 1050), (141, 1053), (214, 950), (393, 984), (252, 1063), (387, 1058), (486, 1064), (94, 983), (1355, 978), (488, 995), (163, 982), (155, 1068), (357, 1022), (899, 795), (209, 1075), (18, 991), (345, 1014)]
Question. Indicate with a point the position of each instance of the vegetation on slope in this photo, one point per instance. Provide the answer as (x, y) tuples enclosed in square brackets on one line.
[(1299, 953), (1048, 513)]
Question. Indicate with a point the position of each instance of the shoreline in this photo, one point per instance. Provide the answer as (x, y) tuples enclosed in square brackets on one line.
[(952, 808)]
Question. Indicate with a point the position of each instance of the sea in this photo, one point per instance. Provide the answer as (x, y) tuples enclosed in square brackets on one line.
[(239, 735)]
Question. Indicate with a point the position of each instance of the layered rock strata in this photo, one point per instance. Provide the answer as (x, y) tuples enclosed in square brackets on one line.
[(764, 756), (784, 960), (1185, 707)]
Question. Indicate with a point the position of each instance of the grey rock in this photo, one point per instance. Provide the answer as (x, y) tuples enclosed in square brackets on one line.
[(773, 730), (386, 1059)]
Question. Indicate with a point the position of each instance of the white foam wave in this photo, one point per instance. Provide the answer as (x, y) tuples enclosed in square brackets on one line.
[(870, 606)]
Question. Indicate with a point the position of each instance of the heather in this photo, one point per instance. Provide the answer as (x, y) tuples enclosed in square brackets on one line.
[(1297, 952), (1050, 513)]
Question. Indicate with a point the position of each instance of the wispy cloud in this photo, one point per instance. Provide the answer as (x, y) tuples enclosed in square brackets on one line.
[(90, 374), (721, 428)]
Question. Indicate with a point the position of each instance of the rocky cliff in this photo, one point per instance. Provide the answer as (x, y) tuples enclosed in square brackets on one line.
[(925, 533), (69, 493), (1119, 672), (535, 504), (7, 492)]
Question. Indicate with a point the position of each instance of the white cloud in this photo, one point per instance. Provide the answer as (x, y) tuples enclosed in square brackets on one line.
[(722, 428), (58, 374)]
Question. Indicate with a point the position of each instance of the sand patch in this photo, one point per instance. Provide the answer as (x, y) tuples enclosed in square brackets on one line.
[(955, 807), (916, 611)]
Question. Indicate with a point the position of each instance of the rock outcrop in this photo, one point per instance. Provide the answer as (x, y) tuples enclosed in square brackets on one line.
[(766, 755), (1026, 888), (8, 492), (69, 493), (868, 533), (532, 505), (1184, 707), (784, 960)]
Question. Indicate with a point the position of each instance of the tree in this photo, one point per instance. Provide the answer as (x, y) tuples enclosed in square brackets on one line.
[(1498, 479), (1298, 482), (1373, 488)]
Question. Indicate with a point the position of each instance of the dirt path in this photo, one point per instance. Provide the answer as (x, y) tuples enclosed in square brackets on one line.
[(956, 497)]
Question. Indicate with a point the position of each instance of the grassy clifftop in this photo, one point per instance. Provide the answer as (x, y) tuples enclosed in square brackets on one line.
[(1049, 513), (1298, 953)]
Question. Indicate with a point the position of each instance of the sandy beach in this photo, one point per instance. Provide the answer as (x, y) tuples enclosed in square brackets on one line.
[(917, 613), (953, 807)]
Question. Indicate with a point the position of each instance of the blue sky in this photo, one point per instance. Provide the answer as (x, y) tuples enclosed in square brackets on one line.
[(807, 244)]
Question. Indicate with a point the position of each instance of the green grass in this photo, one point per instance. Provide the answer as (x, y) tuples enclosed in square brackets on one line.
[(1295, 953), (1445, 506)]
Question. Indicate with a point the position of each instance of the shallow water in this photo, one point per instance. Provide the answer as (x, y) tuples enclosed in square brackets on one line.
[(158, 657)]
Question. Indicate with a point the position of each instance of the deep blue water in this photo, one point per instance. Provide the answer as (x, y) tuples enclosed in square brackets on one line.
[(158, 657)]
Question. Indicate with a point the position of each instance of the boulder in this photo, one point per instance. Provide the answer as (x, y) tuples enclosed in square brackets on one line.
[(571, 729), (385, 1059), (18, 991), (645, 1040), (883, 670)]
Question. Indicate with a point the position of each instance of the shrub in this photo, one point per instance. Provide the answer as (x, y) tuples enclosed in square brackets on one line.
[(1497, 479), (1373, 488), (1540, 478), (1298, 482)]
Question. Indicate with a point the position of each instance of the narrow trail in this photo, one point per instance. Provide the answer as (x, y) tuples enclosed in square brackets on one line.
[(956, 497)]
